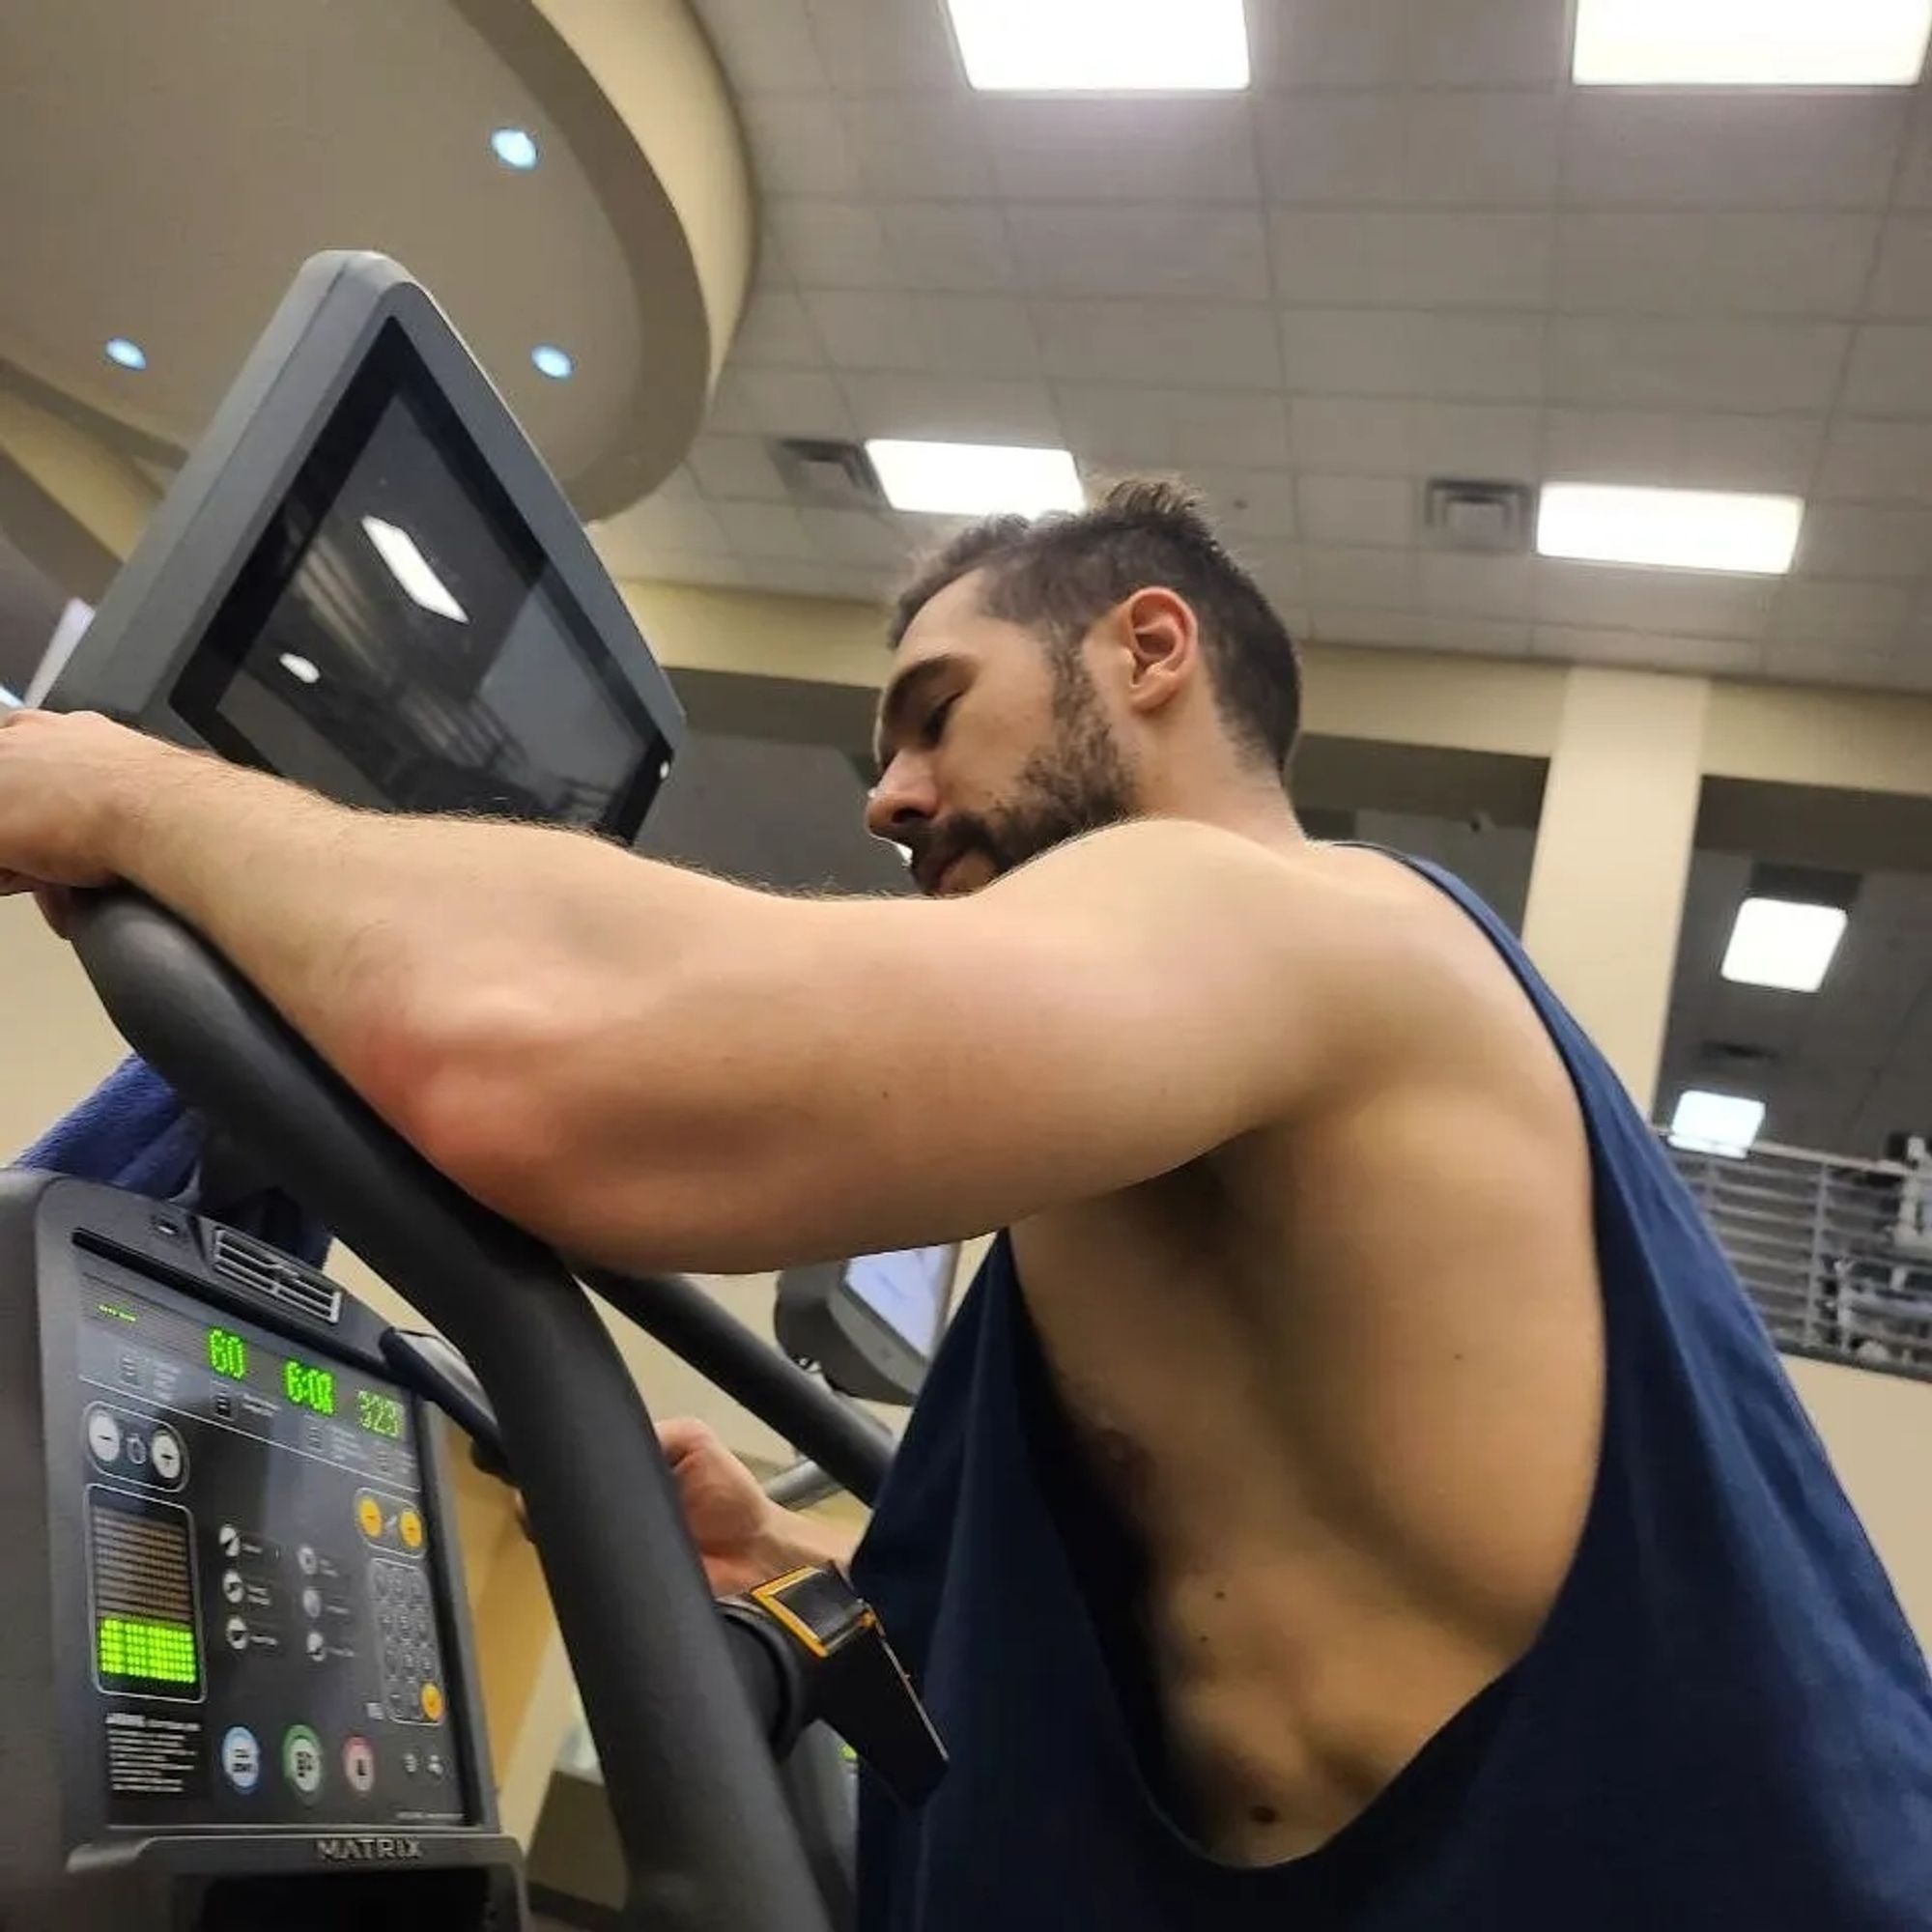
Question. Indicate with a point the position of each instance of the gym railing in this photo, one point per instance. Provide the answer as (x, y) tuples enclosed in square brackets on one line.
[(1830, 1249)]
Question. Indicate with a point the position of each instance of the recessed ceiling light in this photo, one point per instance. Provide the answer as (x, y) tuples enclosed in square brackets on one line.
[(1751, 42), (412, 569), (1119, 46), (304, 670), (515, 147), (974, 479), (1783, 944), (1715, 1122), (552, 361), (1669, 529), (127, 354)]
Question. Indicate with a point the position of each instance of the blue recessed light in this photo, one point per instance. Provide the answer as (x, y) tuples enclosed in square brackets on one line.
[(552, 361), (128, 355), (515, 147)]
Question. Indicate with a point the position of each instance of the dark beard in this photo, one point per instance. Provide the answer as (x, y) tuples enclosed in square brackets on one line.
[(1079, 784)]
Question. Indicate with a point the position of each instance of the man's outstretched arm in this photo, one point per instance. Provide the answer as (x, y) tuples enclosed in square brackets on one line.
[(653, 1068)]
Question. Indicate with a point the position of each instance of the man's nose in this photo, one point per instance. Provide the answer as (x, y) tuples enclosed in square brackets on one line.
[(902, 799)]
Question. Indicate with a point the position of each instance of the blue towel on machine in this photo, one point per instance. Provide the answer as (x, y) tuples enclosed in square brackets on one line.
[(132, 1131)]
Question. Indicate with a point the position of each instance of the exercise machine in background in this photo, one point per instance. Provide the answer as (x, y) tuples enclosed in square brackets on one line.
[(246, 1694)]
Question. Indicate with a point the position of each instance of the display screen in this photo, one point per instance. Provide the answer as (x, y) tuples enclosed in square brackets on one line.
[(908, 1291), (380, 1415), (398, 639)]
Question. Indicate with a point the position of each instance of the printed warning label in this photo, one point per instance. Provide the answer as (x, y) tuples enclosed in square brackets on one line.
[(155, 1758)]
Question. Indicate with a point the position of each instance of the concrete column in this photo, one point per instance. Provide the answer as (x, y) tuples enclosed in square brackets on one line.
[(1612, 856)]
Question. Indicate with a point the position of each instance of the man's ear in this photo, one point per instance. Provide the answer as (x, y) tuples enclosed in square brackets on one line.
[(1162, 637)]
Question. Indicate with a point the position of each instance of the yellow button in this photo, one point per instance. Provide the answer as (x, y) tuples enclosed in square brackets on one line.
[(432, 1703), (410, 1526), (369, 1514)]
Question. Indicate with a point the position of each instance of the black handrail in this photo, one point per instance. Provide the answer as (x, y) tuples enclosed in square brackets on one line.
[(694, 1794)]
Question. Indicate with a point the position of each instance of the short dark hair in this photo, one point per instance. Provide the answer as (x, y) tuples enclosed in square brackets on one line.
[(1063, 571)]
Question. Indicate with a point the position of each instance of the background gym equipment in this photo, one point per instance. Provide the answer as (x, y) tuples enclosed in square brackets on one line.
[(365, 579)]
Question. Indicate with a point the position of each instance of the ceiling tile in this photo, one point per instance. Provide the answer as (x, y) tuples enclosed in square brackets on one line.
[(974, 410), (1204, 345), (855, 536), (865, 328), (1479, 586), (1482, 636), (1703, 364), (1151, 428), (939, 246), (798, 146), (1655, 263), (1693, 452), (1367, 437), (1647, 650), (1140, 250), (1332, 147), (1277, 569), (763, 44), (1352, 433), (730, 466), (1329, 43), (1375, 579), (977, 336), (1890, 373), (1102, 149), (1333, 259), (1902, 285), (1850, 610), (776, 333), (766, 529), (832, 245), (1698, 604), (660, 522), (1841, 540), (1368, 624), (871, 44), (1348, 510), (779, 402), (673, 566), (1715, 149), (926, 145), (1248, 502), (1823, 661), (1398, 352), (1878, 462), (1915, 179), (1461, 439), (1463, 42)]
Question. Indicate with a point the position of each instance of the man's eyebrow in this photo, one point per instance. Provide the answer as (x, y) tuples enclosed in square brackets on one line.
[(901, 695)]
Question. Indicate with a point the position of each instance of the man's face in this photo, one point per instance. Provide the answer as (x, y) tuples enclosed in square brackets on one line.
[(993, 745)]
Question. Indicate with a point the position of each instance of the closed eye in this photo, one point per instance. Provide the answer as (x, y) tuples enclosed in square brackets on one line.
[(934, 728)]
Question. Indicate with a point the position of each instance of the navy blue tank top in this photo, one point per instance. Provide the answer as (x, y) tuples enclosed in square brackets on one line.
[(1725, 1722)]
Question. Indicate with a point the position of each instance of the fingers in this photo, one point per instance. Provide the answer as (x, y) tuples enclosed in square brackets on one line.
[(685, 1436)]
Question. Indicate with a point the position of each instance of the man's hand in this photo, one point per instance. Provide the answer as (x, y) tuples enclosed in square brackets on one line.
[(68, 786), (744, 1538)]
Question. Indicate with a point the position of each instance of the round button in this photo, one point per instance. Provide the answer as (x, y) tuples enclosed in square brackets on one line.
[(317, 1646), (236, 1634), (241, 1759), (305, 1560), (165, 1448), (433, 1764), (409, 1527), (369, 1516), (311, 1601), (103, 1435), (232, 1585), (229, 1538), (137, 1452), (301, 1760), (432, 1701), (358, 1765), (412, 1764)]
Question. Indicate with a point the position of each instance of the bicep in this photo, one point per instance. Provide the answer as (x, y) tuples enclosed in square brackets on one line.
[(860, 1076)]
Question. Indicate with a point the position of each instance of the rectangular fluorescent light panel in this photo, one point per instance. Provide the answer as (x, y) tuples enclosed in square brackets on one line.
[(1109, 46), (1669, 529), (410, 568), (974, 479), (1751, 42), (1715, 1122), (1782, 944)]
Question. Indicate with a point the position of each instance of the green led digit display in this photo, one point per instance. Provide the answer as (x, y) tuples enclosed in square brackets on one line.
[(309, 1387), (156, 1653), (228, 1354), (380, 1415)]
